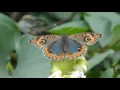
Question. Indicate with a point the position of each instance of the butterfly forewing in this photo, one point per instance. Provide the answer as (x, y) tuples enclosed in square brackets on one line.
[(87, 38), (45, 40)]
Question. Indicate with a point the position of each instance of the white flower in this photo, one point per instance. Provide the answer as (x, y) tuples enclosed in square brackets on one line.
[(80, 68), (77, 74), (69, 68)]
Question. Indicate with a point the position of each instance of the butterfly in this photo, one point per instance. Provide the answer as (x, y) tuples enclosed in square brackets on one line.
[(56, 47)]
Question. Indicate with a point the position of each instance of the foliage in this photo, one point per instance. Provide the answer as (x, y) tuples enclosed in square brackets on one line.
[(20, 59)]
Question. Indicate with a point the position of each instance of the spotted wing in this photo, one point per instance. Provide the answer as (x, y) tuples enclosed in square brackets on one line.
[(87, 38), (45, 40), (54, 51), (75, 49)]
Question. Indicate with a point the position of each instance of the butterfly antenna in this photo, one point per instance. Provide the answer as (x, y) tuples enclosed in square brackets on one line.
[(58, 28), (71, 28)]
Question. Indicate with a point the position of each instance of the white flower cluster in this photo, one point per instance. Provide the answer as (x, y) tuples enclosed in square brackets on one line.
[(75, 74), (78, 68)]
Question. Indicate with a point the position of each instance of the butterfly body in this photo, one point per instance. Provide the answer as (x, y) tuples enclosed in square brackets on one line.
[(65, 47)]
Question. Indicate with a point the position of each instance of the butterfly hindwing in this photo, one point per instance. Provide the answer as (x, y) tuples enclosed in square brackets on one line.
[(75, 49), (87, 38), (54, 51)]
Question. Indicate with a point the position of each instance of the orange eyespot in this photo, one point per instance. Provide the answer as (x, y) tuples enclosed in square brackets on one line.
[(78, 49), (50, 51), (70, 53), (58, 54), (43, 41), (87, 39)]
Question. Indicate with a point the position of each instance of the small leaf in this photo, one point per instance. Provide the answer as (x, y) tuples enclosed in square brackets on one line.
[(31, 61), (69, 28), (102, 26), (9, 67), (98, 58), (108, 73), (3, 71)]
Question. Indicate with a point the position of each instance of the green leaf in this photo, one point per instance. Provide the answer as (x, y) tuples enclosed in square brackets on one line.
[(107, 64), (77, 16), (9, 38), (98, 59), (93, 74), (31, 61), (64, 28), (108, 73), (116, 57), (93, 49), (100, 25), (6, 20), (61, 15), (116, 47), (7, 43), (115, 35), (112, 16)]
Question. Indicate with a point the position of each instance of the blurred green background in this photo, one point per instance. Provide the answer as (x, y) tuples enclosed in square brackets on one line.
[(19, 59)]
